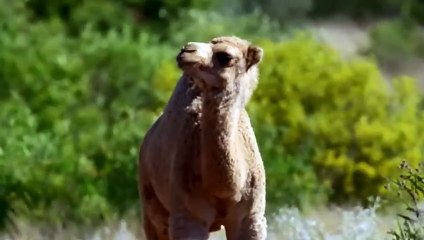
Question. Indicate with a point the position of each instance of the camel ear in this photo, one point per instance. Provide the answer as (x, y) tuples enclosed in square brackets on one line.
[(254, 56)]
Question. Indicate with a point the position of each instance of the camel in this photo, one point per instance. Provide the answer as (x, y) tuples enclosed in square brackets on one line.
[(200, 168)]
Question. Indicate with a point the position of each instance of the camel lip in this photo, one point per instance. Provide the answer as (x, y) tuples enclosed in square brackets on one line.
[(184, 59), (189, 63)]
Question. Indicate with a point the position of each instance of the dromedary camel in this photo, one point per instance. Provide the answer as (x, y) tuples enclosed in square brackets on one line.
[(200, 166)]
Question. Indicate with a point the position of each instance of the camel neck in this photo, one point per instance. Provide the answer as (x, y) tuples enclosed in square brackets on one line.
[(219, 124)]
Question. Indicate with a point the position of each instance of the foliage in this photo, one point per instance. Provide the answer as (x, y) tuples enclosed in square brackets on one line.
[(250, 26), (409, 189), (394, 42), (291, 179), (355, 8), (286, 10), (76, 99), (356, 128), (39, 169), (73, 113), (110, 14)]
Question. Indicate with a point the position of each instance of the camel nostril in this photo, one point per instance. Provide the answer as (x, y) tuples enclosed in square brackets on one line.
[(189, 48)]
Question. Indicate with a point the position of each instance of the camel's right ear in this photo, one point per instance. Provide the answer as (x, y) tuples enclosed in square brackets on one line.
[(254, 56)]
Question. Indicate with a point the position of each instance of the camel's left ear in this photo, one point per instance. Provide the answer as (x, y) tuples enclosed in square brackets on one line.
[(254, 56)]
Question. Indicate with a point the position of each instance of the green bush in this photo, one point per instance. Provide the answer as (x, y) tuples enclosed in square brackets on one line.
[(355, 8), (75, 107), (41, 170), (342, 113), (74, 110), (112, 14), (394, 42), (250, 26), (286, 10)]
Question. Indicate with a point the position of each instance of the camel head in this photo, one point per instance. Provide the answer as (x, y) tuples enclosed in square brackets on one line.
[(224, 63)]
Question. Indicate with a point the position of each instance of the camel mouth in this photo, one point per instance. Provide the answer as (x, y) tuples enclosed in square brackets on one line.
[(189, 67), (194, 56), (186, 59)]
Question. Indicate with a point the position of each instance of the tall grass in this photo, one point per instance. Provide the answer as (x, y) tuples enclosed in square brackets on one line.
[(409, 187), (333, 223)]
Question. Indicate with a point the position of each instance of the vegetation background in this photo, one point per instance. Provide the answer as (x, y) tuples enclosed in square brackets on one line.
[(82, 81)]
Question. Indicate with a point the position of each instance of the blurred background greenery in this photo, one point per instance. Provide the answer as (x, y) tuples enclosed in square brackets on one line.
[(82, 81)]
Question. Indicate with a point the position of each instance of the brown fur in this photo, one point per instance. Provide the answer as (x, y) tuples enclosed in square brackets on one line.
[(200, 165)]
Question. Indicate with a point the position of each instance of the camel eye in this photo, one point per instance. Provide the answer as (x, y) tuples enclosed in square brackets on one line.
[(223, 58)]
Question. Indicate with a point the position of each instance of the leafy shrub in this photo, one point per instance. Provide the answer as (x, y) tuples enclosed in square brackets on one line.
[(75, 107), (393, 42), (291, 179), (73, 112), (286, 10), (41, 169), (355, 8), (112, 14), (343, 113), (250, 26)]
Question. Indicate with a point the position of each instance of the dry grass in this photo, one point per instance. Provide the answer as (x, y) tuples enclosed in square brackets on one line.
[(289, 224)]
